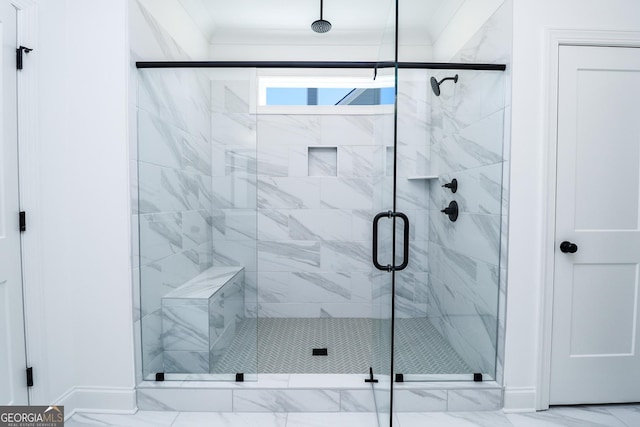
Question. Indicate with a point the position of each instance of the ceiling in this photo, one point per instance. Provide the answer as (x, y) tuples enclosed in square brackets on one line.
[(229, 21)]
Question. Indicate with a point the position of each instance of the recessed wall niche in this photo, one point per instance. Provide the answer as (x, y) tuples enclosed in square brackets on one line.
[(323, 161)]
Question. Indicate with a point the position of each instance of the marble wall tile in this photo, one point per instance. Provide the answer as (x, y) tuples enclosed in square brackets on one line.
[(474, 338), (413, 196), (151, 284), (250, 294), (320, 224), (234, 129), (289, 130), (473, 235), (151, 326), (234, 192), (240, 224), (298, 160), (236, 253), (361, 224), (476, 95), (286, 193), (172, 271), (470, 285), (160, 235), (346, 256), (489, 43), (180, 96), (341, 130), (286, 401), (319, 287), (186, 361), (135, 280), (474, 400), (420, 400), (479, 190), (274, 160), (322, 161), (298, 255), (360, 161), (346, 193), (137, 347), (160, 189), (356, 401), (196, 399), (230, 96), (158, 142), (476, 145), (315, 310), (240, 162), (205, 255), (273, 287), (185, 325), (418, 256), (196, 228), (220, 346), (273, 224), (361, 286)]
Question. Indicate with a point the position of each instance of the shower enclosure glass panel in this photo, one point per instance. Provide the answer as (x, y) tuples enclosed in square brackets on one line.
[(197, 225), (382, 239), (447, 299)]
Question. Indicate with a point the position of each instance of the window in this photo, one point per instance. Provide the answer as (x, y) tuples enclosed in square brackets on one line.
[(325, 91)]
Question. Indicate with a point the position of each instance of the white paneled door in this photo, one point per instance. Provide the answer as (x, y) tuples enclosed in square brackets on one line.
[(595, 344), (13, 388)]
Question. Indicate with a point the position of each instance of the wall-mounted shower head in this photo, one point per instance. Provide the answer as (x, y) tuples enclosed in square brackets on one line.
[(435, 84), (321, 25)]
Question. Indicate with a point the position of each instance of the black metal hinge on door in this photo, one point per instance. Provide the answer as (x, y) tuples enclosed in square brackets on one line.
[(23, 221), (29, 377), (19, 54)]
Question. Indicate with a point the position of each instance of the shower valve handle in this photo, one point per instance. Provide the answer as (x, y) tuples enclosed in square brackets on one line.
[(451, 211), (453, 185)]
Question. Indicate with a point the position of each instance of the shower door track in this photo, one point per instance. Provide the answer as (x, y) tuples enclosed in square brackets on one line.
[(321, 64)]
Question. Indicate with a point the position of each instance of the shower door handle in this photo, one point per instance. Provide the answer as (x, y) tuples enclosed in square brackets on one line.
[(405, 245)]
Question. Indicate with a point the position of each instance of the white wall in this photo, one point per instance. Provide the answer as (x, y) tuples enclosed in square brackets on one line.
[(83, 356), (528, 174)]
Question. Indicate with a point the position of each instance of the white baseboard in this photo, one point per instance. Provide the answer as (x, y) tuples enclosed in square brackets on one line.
[(519, 399), (105, 400)]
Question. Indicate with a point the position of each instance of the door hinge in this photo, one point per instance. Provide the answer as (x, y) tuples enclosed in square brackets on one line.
[(29, 377), (23, 221), (19, 54)]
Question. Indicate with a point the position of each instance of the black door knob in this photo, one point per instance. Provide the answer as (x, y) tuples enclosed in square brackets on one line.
[(568, 247)]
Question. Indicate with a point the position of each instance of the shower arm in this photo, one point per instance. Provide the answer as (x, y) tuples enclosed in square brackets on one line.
[(455, 79)]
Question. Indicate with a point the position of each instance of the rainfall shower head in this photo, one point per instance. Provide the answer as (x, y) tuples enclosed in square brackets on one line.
[(435, 84), (321, 25)]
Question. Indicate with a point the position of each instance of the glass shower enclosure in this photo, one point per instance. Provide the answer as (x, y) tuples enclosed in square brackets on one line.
[(359, 238)]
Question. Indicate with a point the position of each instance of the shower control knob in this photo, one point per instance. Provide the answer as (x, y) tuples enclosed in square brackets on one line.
[(451, 211), (453, 185), (568, 247)]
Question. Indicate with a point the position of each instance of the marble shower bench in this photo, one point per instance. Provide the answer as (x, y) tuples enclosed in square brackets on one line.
[(199, 319)]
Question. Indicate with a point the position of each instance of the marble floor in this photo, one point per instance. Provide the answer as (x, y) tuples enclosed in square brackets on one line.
[(578, 416)]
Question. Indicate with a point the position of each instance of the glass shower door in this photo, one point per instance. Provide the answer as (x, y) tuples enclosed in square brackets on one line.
[(384, 222)]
